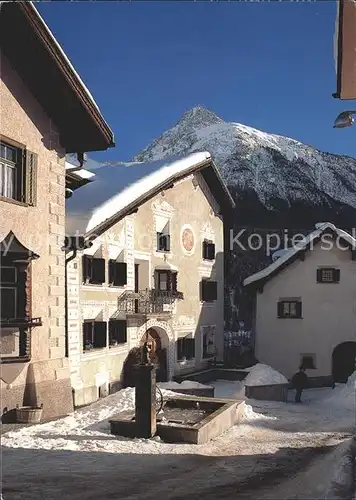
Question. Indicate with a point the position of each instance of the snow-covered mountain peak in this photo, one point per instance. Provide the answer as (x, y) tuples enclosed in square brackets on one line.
[(199, 117), (274, 167)]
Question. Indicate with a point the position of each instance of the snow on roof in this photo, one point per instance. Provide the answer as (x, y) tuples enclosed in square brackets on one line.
[(118, 187), (55, 42), (82, 173), (320, 228), (279, 253)]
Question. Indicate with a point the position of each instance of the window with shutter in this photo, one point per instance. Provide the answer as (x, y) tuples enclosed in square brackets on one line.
[(94, 334), (186, 347), (162, 280), (117, 273), (11, 172), (328, 275), (208, 250), (15, 307), (289, 309), (93, 270), (163, 242), (208, 290), (117, 332)]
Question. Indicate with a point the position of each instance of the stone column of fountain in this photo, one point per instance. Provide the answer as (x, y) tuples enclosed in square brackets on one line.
[(145, 396)]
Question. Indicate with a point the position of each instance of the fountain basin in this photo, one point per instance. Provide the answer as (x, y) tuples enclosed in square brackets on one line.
[(186, 419)]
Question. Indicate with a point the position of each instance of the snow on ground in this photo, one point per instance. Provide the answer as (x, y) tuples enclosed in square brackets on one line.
[(90, 425), (262, 374), (279, 450)]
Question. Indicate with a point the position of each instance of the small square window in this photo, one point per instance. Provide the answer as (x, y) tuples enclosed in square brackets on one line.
[(208, 290), (208, 250), (328, 275)]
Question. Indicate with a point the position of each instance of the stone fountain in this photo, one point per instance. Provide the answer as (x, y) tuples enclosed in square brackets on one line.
[(180, 418)]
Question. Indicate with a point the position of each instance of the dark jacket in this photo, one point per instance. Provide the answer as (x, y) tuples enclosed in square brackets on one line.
[(300, 380)]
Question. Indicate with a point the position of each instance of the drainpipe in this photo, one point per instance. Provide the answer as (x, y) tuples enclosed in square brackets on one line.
[(82, 158), (73, 256), (73, 243)]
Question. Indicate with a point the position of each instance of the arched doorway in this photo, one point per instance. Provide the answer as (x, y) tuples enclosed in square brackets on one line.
[(343, 361), (157, 354)]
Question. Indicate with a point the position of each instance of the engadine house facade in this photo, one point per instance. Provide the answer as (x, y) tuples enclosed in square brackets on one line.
[(154, 271), (46, 112)]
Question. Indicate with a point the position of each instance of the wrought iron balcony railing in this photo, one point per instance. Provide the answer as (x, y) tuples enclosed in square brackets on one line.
[(148, 301)]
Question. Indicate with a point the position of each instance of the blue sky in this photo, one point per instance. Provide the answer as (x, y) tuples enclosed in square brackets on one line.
[(267, 65)]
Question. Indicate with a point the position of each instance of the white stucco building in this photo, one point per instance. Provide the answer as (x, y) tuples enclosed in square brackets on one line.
[(305, 307)]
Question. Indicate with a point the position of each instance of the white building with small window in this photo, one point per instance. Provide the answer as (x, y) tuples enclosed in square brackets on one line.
[(154, 271), (305, 307)]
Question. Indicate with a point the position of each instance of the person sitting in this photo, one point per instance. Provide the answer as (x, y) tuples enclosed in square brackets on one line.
[(300, 382)]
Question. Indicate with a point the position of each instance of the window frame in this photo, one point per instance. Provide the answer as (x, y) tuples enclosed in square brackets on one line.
[(205, 250), (166, 237), (171, 282), (181, 350), (280, 309), (113, 267), (22, 323), (93, 322), (25, 174), (118, 343), (203, 290), (335, 275), (88, 279)]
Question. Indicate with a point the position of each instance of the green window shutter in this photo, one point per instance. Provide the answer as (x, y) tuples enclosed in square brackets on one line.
[(121, 273), (87, 268), (30, 181), (100, 328)]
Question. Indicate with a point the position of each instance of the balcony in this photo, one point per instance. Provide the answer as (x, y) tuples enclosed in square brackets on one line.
[(146, 302)]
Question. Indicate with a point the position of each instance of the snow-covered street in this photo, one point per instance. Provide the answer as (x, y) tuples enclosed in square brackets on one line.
[(279, 451)]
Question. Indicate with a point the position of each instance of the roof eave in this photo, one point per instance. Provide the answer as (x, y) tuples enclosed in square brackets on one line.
[(327, 229), (229, 199), (132, 207), (54, 49), (48, 73)]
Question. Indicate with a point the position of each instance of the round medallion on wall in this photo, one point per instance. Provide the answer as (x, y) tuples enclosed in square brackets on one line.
[(188, 240)]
